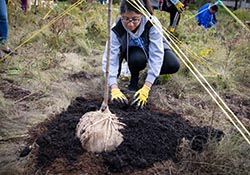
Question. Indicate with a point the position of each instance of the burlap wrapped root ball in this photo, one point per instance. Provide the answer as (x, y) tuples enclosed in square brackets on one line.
[(99, 131)]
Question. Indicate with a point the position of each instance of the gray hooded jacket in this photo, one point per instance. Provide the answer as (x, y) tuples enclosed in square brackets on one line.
[(155, 56)]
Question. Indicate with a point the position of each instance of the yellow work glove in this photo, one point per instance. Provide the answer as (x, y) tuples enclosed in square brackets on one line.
[(141, 97), (118, 96), (179, 6)]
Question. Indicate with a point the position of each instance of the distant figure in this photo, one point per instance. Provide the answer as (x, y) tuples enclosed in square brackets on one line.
[(206, 16), (174, 7), (24, 5), (185, 3), (4, 28), (103, 1)]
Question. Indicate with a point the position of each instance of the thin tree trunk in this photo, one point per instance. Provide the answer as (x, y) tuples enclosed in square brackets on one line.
[(106, 88)]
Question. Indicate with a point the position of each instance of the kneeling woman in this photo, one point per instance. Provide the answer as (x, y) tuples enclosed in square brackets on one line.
[(141, 44)]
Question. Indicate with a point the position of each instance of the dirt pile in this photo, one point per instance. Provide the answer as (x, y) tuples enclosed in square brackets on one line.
[(150, 136)]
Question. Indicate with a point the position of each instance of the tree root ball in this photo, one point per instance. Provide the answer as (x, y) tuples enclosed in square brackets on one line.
[(99, 131)]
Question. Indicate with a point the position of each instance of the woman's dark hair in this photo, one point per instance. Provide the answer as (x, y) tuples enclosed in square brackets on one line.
[(214, 8), (127, 6)]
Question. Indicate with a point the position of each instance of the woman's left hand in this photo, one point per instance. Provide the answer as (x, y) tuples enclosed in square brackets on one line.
[(141, 97)]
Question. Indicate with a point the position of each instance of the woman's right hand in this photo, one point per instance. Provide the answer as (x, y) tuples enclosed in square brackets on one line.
[(118, 96)]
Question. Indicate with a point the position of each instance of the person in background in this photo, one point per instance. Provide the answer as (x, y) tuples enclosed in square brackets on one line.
[(175, 8), (4, 29), (102, 1), (142, 45), (185, 3), (24, 5), (206, 16)]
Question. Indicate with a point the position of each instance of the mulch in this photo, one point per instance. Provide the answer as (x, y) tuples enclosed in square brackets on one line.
[(150, 136)]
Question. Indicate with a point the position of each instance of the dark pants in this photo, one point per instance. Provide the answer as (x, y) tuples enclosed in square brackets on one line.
[(173, 11), (24, 4), (3, 22), (137, 61)]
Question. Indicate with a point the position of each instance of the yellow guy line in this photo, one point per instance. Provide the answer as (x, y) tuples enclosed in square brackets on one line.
[(140, 8), (235, 17), (45, 16), (76, 18), (45, 26), (191, 52), (219, 2), (198, 58), (205, 82)]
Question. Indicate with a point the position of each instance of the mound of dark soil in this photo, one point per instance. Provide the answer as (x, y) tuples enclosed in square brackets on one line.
[(150, 136)]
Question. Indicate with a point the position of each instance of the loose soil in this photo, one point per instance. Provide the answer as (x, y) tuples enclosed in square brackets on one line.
[(150, 136)]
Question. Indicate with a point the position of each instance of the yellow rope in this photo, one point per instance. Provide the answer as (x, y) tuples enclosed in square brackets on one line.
[(194, 71), (76, 18), (45, 16), (235, 17), (190, 52), (45, 26)]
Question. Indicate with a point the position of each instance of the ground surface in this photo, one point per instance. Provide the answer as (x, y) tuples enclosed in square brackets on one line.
[(152, 136)]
